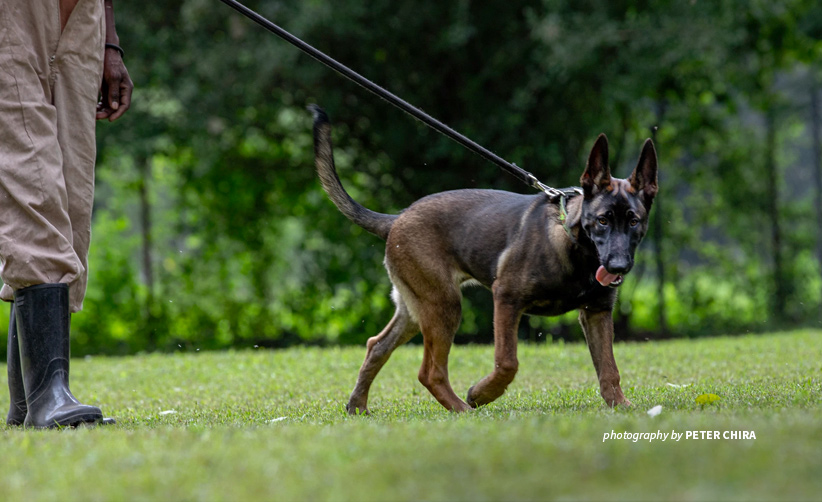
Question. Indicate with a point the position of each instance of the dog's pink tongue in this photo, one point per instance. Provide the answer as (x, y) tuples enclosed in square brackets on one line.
[(604, 277)]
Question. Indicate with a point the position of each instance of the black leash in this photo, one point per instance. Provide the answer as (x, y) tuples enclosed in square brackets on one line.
[(521, 174), (395, 100)]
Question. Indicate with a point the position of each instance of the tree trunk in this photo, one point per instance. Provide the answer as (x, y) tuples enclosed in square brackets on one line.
[(817, 170), (772, 206), (144, 166), (657, 227)]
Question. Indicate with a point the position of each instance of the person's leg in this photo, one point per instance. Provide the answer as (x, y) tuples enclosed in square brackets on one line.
[(35, 231), (79, 67), (44, 251)]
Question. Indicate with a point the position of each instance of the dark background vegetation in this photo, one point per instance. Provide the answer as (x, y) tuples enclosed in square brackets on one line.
[(211, 230)]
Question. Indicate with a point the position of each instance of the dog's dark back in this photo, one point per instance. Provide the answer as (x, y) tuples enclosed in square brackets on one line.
[(487, 234)]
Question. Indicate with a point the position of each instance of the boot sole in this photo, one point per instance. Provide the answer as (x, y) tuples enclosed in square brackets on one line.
[(84, 419)]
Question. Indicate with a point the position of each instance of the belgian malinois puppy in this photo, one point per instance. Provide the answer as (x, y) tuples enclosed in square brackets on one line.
[(534, 257)]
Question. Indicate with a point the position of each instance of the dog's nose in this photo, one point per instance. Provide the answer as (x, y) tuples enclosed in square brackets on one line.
[(618, 264)]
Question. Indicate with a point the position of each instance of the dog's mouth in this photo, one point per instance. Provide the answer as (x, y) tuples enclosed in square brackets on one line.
[(607, 278)]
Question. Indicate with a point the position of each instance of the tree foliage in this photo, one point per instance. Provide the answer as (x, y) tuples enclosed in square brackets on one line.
[(211, 230)]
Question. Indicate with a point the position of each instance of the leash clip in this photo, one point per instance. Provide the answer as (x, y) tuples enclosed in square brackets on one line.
[(559, 196)]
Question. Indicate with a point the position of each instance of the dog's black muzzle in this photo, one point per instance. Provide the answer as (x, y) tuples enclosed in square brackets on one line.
[(619, 266)]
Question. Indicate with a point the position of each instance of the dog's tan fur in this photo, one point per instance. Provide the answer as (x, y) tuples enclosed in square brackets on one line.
[(513, 244)]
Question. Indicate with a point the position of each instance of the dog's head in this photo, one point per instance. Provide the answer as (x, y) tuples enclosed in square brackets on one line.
[(615, 211)]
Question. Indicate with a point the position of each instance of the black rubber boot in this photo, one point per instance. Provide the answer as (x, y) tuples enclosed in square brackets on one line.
[(42, 314), (17, 393)]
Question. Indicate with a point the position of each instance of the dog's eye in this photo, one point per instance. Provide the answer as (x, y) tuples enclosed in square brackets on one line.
[(634, 222), (603, 220)]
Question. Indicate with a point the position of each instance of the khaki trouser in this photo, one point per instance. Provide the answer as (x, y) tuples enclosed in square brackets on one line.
[(49, 83)]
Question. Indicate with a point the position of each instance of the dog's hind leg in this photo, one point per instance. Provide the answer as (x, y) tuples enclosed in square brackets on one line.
[(439, 321), (598, 328), (506, 321), (399, 330)]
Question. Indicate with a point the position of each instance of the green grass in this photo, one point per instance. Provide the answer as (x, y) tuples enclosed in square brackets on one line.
[(270, 425)]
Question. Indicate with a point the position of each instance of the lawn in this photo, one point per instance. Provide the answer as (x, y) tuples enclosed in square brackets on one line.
[(269, 425)]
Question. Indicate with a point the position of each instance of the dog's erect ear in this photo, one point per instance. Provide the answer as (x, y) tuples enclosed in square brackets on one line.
[(597, 173), (644, 177)]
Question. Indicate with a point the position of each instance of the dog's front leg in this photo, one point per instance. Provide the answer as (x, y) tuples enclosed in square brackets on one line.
[(506, 320), (599, 333)]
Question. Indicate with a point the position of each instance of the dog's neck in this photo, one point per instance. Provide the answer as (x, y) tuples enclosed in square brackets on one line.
[(573, 222)]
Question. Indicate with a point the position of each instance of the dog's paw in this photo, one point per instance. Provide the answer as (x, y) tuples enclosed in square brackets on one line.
[(613, 396), (624, 404), (470, 400), (355, 410)]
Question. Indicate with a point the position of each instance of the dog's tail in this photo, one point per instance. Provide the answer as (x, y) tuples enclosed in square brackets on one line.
[(377, 223)]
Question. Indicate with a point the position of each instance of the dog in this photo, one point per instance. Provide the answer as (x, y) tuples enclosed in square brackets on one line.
[(537, 255)]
